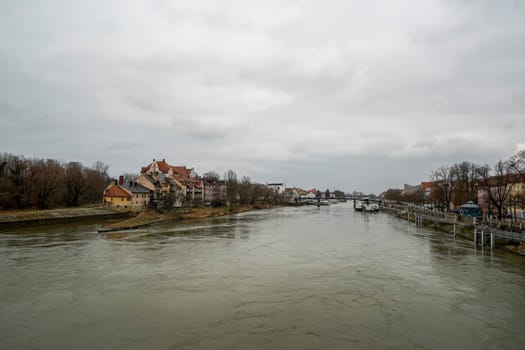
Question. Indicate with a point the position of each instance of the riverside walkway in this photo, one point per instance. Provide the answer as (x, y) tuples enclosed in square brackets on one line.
[(482, 233)]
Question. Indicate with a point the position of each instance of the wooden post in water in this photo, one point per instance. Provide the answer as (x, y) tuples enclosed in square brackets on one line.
[(475, 235), (454, 230), (492, 243), (482, 238)]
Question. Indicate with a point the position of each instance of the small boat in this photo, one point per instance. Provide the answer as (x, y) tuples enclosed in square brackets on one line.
[(372, 207)]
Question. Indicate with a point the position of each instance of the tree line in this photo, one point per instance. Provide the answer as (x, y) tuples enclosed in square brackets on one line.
[(232, 192), (49, 183), (466, 181)]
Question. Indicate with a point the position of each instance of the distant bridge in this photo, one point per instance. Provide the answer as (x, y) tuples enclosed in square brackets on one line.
[(322, 200)]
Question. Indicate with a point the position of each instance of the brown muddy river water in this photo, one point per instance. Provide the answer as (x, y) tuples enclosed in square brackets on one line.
[(288, 278)]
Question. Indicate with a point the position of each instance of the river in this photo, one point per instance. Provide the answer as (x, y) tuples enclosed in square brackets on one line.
[(286, 278)]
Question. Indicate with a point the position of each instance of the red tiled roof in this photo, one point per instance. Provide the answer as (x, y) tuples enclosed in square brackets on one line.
[(164, 167), (181, 171), (116, 191), (161, 164)]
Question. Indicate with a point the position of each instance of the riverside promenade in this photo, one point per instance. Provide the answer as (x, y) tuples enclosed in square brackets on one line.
[(479, 232)]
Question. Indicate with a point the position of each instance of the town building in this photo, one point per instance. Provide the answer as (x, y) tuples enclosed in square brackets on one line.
[(130, 196), (214, 191), (411, 189), (426, 188), (179, 183), (291, 194), (277, 187), (511, 189)]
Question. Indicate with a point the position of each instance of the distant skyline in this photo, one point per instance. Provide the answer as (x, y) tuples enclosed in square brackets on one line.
[(349, 95)]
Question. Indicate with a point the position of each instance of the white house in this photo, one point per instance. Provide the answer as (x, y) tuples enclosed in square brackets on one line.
[(277, 187)]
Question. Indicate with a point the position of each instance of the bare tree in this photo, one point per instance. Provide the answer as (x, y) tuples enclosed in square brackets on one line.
[(260, 193), (245, 191), (443, 186), (394, 194), (48, 183), (19, 175), (497, 187), (465, 177), (129, 177), (75, 183), (97, 179), (48, 177), (212, 175), (232, 188), (517, 164)]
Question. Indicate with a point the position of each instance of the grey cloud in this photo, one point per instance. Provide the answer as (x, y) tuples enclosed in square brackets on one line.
[(302, 91)]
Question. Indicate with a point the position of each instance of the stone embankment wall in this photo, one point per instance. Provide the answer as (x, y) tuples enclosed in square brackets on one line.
[(22, 218)]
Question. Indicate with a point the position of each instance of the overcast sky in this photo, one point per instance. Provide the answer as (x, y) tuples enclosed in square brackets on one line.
[(351, 95)]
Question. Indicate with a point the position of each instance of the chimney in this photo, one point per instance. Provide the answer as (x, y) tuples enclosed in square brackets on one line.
[(116, 182), (120, 180), (131, 184), (163, 160), (135, 184)]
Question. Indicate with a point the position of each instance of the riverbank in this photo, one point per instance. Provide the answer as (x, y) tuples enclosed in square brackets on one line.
[(21, 218), (459, 229), (149, 218)]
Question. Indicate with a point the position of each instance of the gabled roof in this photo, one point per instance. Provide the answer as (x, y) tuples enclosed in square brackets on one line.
[(181, 171), (149, 178), (178, 175), (164, 167), (161, 165), (117, 191)]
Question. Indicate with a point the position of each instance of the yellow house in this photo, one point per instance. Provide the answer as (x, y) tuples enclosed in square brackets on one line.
[(117, 197), (134, 196), (517, 189)]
